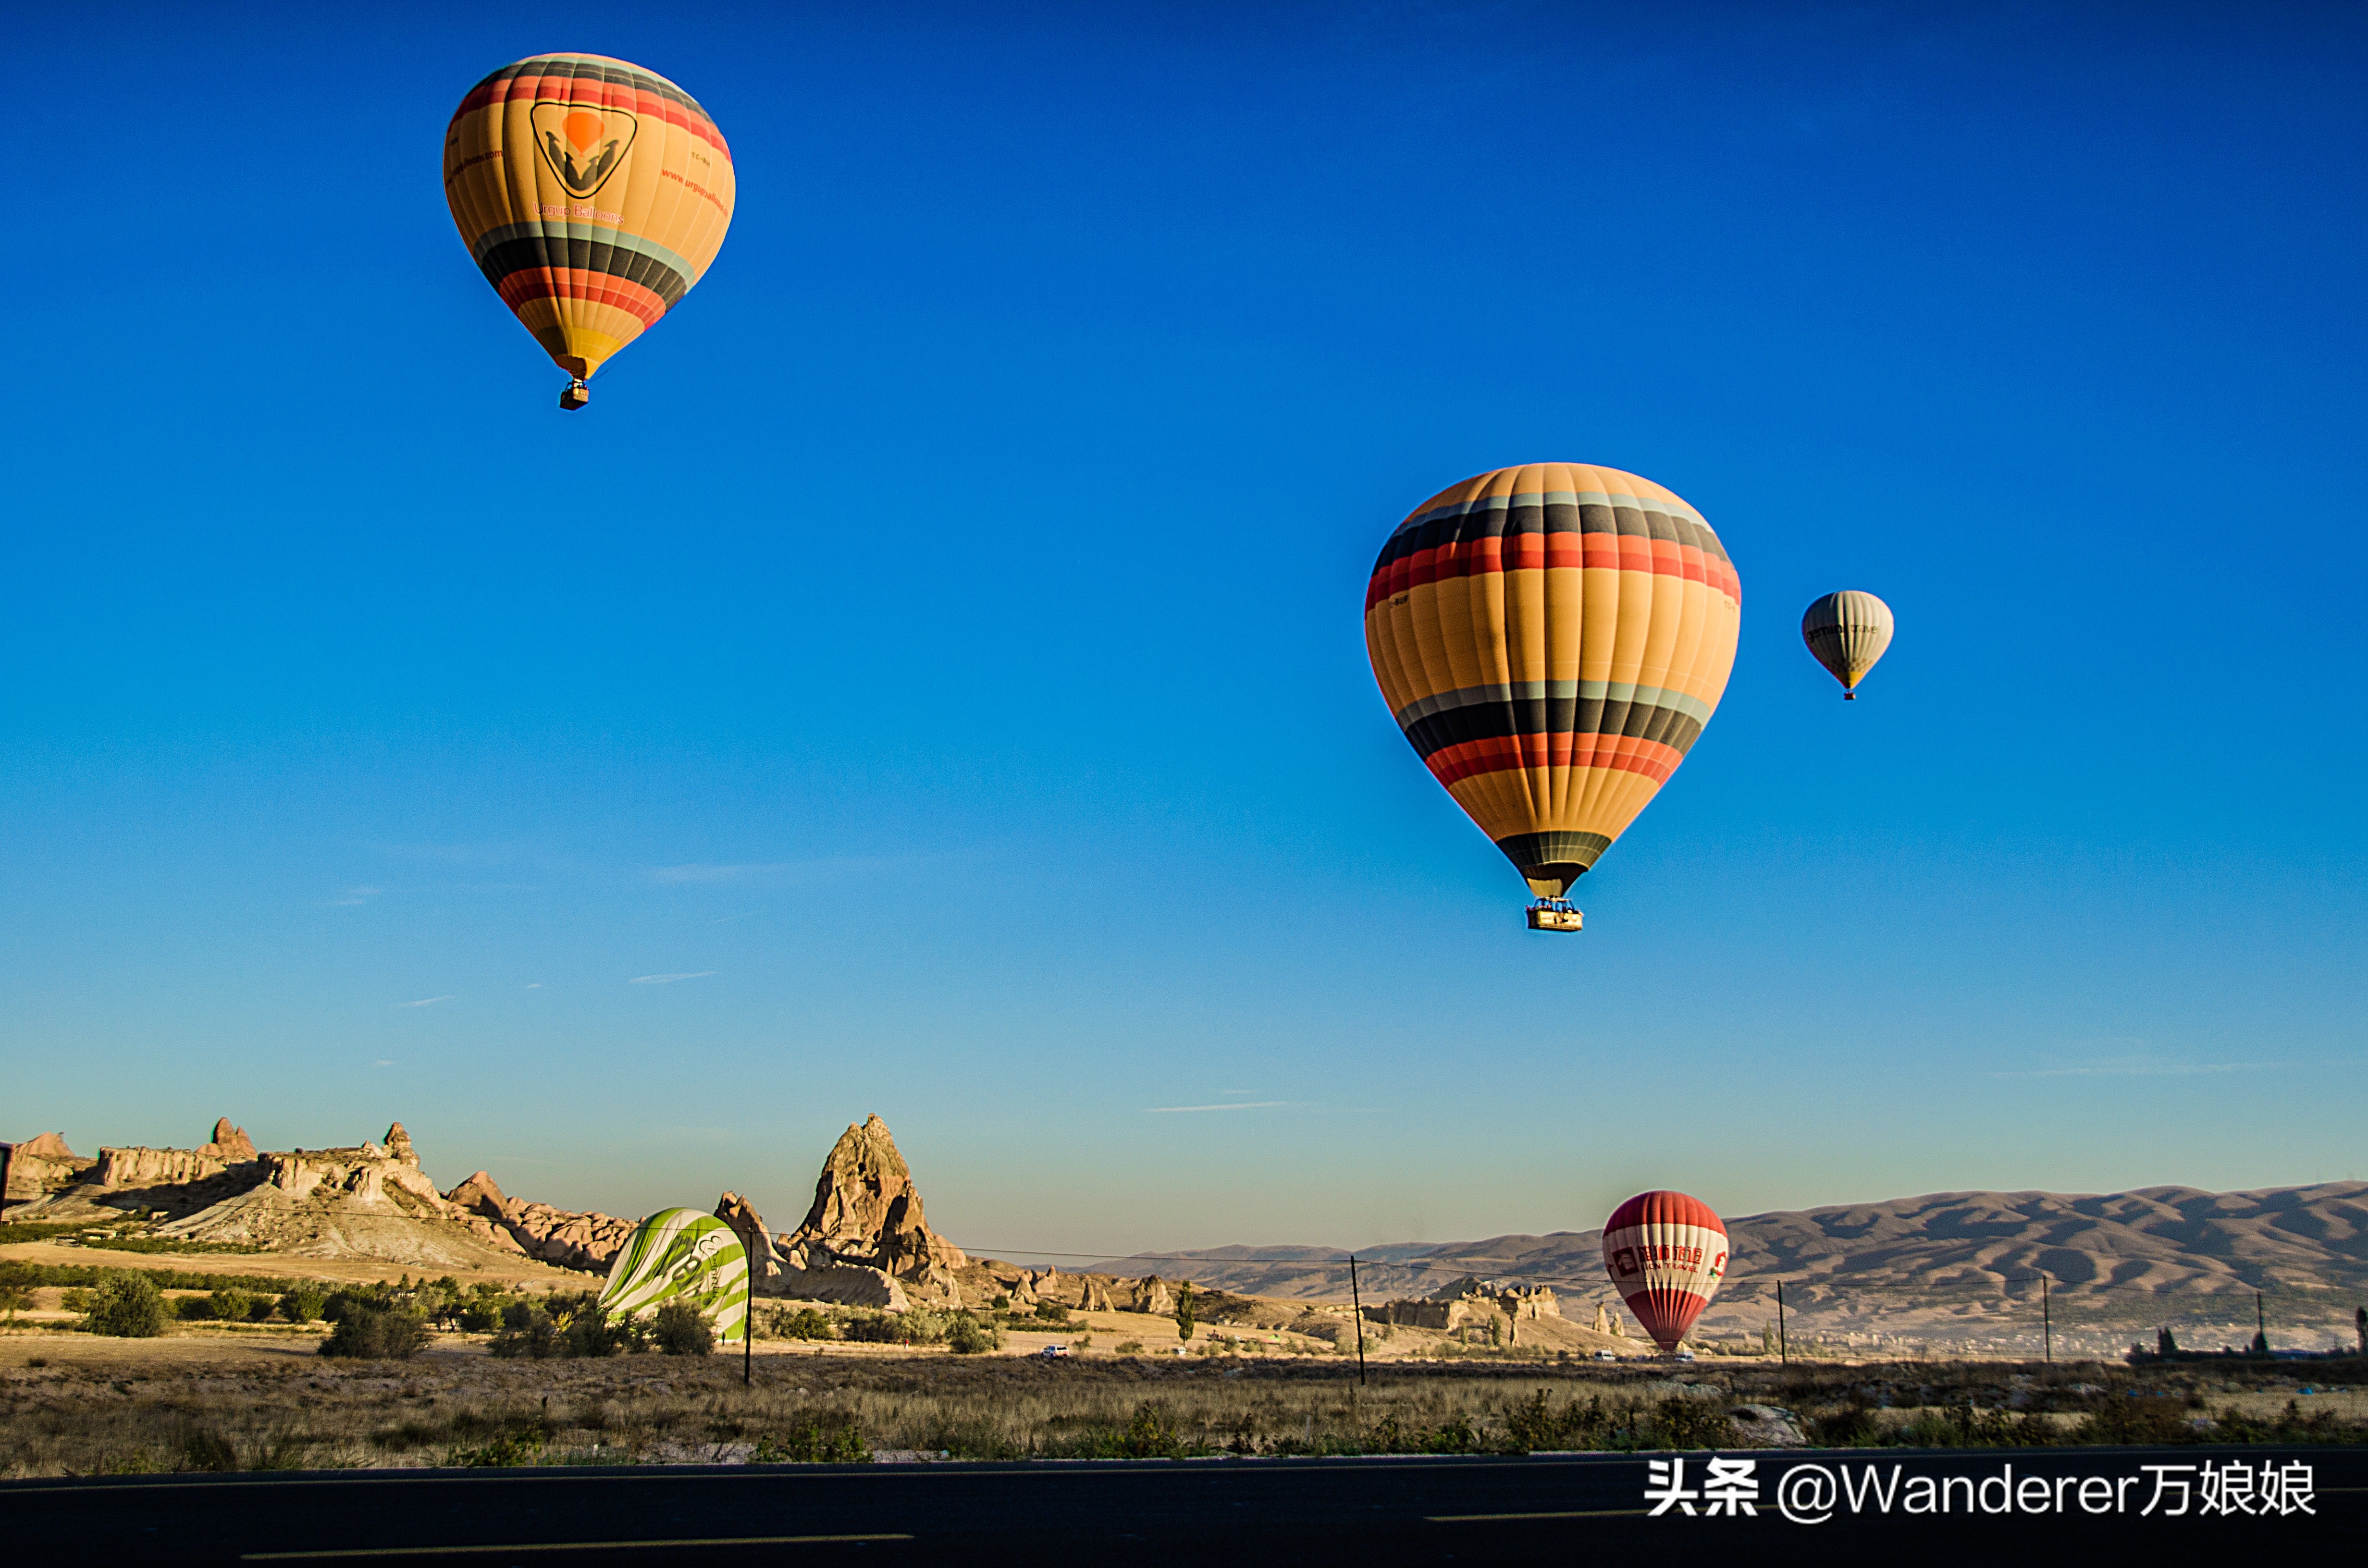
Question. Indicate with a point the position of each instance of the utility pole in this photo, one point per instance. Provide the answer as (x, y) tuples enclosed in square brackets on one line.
[(749, 1332), (2260, 1323), (1783, 1357), (1357, 1305), (2047, 1329)]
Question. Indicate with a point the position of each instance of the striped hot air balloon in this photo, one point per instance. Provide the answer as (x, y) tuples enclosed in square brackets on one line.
[(592, 194), (681, 1254), (1847, 632), (1665, 1254), (1552, 638)]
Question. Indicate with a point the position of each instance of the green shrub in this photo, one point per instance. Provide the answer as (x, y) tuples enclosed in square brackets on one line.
[(918, 1326), (1150, 1434), (1535, 1423), (968, 1336), (2146, 1421), (375, 1333), (526, 1331), (304, 1303), (804, 1324), (681, 1329), (204, 1448), (127, 1306), (585, 1329), (831, 1440), (520, 1447), (1052, 1311), (1130, 1346), (191, 1309), (230, 1306), (1681, 1423)]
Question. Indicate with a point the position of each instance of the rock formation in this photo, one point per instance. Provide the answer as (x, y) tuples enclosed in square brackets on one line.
[(564, 1238), (138, 1166), (765, 1267), (365, 1200), (39, 1168), (231, 1145), (1474, 1301), (865, 1240)]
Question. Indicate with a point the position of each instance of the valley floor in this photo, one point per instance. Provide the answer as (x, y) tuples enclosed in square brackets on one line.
[(249, 1397)]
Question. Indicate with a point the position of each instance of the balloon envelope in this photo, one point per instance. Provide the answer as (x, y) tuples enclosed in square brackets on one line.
[(681, 1254), (1665, 1254), (1847, 633), (1552, 638), (591, 193)]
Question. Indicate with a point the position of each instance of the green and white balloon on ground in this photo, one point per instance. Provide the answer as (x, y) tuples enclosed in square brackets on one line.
[(681, 1254)]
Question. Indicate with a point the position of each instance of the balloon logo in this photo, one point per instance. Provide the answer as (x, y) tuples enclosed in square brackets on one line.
[(1847, 632), (592, 194), (1552, 638), (581, 148), (1665, 1254)]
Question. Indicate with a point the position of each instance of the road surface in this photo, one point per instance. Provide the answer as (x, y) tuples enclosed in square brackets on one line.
[(2036, 1503)]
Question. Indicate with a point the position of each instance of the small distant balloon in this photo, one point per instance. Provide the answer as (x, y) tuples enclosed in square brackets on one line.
[(1665, 1254), (592, 194), (1847, 632)]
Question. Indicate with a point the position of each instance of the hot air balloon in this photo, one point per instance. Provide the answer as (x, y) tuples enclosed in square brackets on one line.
[(1552, 638), (1665, 1254), (681, 1254), (1847, 633), (592, 194)]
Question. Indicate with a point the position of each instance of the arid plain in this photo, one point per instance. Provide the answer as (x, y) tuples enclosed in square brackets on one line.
[(1909, 1322)]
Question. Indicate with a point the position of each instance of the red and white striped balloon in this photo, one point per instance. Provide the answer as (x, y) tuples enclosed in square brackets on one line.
[(1665, 1254)]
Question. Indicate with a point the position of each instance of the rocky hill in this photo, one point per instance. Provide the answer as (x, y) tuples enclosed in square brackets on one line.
[(1925, 1267), (864, 1242), (366, 1200)]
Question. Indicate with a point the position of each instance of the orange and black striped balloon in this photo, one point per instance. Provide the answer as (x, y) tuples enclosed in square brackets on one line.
[(592, 195), (1552, 638)]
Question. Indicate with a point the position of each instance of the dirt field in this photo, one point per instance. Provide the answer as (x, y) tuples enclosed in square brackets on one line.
[(217, 1397)]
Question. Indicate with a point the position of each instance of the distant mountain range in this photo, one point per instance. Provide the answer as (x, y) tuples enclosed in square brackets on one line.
[(2118, 1248)]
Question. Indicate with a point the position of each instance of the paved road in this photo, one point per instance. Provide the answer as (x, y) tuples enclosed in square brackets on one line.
[(1261, 1511)]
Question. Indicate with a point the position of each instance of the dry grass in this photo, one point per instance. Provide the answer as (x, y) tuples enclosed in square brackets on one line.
[(95, 1407)]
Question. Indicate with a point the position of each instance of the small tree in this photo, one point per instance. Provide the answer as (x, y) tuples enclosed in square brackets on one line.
[(585, 1328), (375, 1333), (968, 1336), (128, 1306), (230, 1306), (527, 1330), (14, 1299), (681, 1329), (304, 1303), (1186, 1308)]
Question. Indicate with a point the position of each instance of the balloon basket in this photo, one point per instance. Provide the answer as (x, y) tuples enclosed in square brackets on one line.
[(1554, 914), (574, 395)]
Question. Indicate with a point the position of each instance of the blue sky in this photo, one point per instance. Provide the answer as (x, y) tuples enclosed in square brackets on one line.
[(929, 678)]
